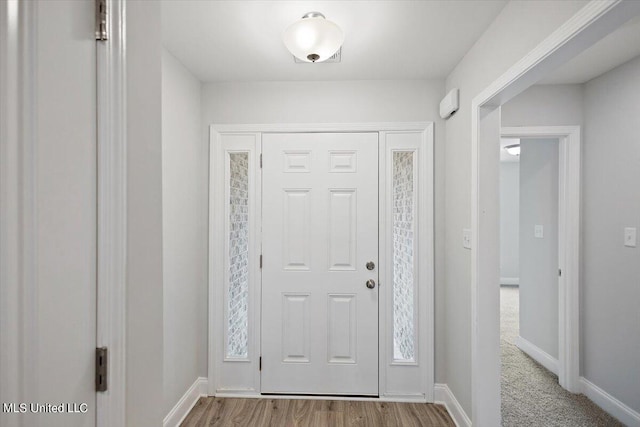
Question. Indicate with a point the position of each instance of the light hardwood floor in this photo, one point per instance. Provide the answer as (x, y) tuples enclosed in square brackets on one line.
[(212, 411)]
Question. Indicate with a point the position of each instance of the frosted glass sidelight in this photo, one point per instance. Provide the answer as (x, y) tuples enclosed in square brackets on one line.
[(403, 210), (238, 296)]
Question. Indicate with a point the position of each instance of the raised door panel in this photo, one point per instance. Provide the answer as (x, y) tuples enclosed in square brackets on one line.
[(342, 328), (295, 328), (296, 229), (342, 229)]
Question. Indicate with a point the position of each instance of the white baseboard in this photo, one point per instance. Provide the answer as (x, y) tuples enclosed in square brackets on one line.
[(512, 281), (405, 398), (610, 404), (537, 354), (186, 403), (444, 396)]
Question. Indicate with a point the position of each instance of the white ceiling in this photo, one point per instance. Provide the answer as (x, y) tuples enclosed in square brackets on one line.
[(242, 40), (615, 49)]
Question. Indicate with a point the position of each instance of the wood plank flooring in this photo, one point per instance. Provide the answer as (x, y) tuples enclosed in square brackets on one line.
[(227, 412)]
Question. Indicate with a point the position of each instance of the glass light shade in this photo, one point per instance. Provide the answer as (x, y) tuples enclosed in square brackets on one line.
[(313, 39), (514, 150)]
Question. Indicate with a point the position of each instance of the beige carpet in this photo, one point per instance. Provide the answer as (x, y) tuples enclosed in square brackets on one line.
[(531, 395)]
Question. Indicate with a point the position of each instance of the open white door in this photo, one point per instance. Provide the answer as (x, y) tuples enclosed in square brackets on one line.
[(48, 210)]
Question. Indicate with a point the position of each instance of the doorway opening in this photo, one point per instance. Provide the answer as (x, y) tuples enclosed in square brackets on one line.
[(533, 217), (582, 31), (547, 247)]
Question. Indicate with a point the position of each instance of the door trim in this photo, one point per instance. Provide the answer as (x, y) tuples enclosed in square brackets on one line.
[(112, 213), (322, 127), (395, 375), (251, 387), (568, 245)]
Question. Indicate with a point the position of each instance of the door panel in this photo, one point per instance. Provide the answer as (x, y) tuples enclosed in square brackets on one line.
[(66, 202), (52, 120), (343, 331), (342, 229), (320, 228)]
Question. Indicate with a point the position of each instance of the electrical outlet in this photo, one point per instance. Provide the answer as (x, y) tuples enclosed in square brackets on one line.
[(466, 238), (538, 231), (630, 237)]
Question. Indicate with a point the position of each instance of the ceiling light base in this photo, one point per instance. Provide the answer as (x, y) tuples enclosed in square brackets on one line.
[(313, 15), (335, 58)]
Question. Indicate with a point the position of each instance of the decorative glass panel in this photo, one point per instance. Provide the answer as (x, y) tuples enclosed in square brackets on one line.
[(237, 313), (403, 251)]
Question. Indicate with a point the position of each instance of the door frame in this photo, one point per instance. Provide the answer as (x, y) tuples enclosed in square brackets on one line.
[(569, 162), (217, 254), (587, 26), (112, 213)]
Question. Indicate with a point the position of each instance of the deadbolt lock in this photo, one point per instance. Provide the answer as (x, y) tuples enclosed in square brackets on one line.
[(371, 265)]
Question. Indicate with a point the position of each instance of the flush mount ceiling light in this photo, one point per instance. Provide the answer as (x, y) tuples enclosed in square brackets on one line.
[(513, 149), (313, 38)]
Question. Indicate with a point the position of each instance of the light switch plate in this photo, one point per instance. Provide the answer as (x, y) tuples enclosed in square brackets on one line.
[(466, 238), (630, 237), (538, 231)]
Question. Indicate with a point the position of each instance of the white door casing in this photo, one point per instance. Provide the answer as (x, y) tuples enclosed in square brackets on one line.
[(235, 370), (320, 229)]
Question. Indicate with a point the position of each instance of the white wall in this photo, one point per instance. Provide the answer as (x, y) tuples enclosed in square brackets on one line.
[(509, 222), (323, 101), (517, 30), (144, 347), (611, 201), (545, 105), (344, 101), (539, 256), (184, 215)]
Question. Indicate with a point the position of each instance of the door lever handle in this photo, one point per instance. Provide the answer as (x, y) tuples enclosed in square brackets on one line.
[(371, 283)]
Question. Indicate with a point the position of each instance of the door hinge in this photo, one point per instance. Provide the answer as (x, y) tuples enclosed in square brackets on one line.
[(101, 20), (260, 161), (260, 261), (102, 362), (260, 364), (560, 272)]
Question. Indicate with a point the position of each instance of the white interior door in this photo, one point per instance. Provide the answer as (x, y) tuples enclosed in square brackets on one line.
[(320, 229), (66, 206), (48, 191)]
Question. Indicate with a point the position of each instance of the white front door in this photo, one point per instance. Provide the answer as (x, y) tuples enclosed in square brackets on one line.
[(320, 229)]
